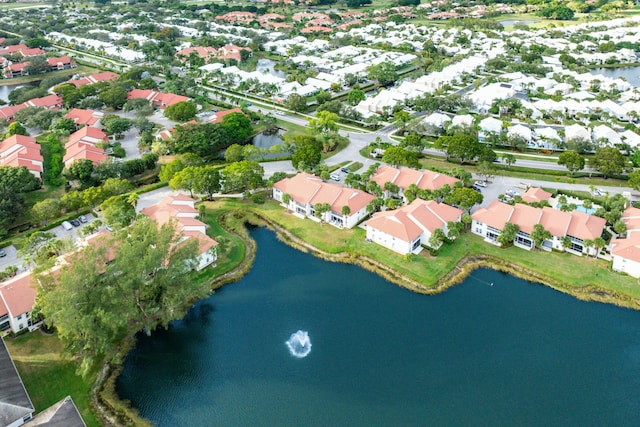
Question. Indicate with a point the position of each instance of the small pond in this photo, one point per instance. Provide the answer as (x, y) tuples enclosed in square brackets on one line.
[(267, 66)]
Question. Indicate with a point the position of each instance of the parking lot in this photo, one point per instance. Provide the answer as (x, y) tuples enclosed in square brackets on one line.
[(12, 257)]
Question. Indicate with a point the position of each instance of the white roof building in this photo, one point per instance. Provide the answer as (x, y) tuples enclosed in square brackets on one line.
[(520, 130), (631, 138), (437, 119), (606, 136), (462, 120), (576, 132)]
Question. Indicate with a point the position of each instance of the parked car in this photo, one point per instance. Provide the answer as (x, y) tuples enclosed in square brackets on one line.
[(511, 193), (345, 170), (478, 189), (481, 184), (67, 225), (3, 253), (83, 219), (335, 177), (75, 222), (109, 229)]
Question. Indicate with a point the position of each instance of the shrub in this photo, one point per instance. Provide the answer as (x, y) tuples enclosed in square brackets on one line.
[(258, 199)]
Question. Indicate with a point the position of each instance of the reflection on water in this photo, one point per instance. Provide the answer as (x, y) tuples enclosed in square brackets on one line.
[(630, 74)]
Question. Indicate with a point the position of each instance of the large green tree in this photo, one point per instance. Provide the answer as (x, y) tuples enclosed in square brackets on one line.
[(398, 156), (14, 184), (571, 160), (238, 127), (181, 111), (608, 161), (242, 176), (460, 146), (100, 297)]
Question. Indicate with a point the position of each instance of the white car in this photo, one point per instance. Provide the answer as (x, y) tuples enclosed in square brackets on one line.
[(481, 184), (334, 176)]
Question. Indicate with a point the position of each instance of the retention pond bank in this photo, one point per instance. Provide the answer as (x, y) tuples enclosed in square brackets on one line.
[(494, 350)]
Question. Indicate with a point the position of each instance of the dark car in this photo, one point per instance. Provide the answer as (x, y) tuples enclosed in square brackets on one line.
[(75, 222), (478, 189), (345, 170), (3, 253)]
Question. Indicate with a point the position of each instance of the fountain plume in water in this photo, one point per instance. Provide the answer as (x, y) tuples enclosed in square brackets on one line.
[(299, 344)]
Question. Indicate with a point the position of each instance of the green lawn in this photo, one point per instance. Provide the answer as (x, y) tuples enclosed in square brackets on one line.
[(231, 250), (21, 5), (48, 376), (443, 165), (81, 69), (570, 272)]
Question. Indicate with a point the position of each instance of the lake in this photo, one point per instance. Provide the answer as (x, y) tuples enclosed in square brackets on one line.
[(263, 140), (494, 350), (630, 74), (267, 66), (6, 90)]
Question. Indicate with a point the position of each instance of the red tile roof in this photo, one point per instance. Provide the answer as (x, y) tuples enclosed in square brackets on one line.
[(308, 189), (18, 294), (94, 78), (536, 194), (83, 117), (404, 177), (560, 224), (408, 222), (19, 150), (217, 117)]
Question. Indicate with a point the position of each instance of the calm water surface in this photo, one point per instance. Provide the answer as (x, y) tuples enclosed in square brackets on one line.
[(511, 353), (630, 74)]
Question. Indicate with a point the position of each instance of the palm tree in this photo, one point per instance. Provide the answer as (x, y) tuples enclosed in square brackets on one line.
[(132, 199), (598, 243), (587, 244)]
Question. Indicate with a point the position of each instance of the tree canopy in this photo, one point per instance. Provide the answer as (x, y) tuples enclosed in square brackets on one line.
[(100, 296), (572, 160), (181, 111), (460, 146), (14, 183), (608, 161)]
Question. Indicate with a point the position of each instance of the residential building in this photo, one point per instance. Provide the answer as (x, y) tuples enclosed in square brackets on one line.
[(157, 99), (625, 252), (84, 117), (181, 209), (218, 116), (536, 195), (94, 78), (15, 405), (50, 102), (61, 63), (20, 150), (306, 191), (405, 177), (577, 226), (83, 144), (63, 413), (17, 297), (407, 228)]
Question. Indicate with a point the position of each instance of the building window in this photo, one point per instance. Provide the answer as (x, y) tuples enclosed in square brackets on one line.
[(20, 317)]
